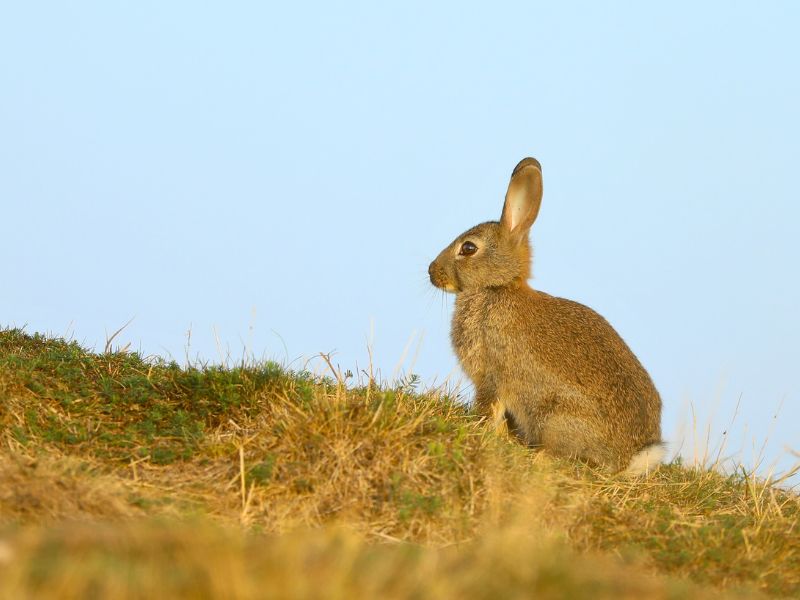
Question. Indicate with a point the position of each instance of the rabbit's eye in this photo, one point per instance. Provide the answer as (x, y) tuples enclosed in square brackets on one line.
[(468, 249)]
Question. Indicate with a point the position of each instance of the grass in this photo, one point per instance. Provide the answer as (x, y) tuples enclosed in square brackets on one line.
[(134, 478)]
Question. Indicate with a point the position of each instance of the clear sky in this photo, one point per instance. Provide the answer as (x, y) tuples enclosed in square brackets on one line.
[(282, 174)]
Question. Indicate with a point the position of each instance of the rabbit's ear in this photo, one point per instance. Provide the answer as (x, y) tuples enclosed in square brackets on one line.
[(523, 198)]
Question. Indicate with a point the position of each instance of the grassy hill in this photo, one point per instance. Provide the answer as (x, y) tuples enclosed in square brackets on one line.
[(122, 477)]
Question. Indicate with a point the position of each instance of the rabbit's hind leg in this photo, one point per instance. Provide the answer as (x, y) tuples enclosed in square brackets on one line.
[(573, 437)]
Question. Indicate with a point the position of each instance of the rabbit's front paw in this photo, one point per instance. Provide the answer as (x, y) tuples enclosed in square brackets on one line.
[(499, 419)]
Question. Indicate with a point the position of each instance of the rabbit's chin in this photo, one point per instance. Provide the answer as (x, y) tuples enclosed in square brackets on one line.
[(448, 288), (445, 286)]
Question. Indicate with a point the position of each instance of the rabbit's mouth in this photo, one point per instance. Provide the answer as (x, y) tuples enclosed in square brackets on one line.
[(440, 280)]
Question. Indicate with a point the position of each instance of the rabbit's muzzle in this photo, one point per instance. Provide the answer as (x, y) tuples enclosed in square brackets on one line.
[(439, 277)]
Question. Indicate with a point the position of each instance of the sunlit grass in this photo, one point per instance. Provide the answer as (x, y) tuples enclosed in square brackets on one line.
[(120, 474)]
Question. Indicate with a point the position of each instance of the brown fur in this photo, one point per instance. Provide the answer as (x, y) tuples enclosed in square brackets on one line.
[(563, 377)]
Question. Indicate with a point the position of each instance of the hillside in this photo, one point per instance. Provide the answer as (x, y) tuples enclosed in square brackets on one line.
[(133, 478)]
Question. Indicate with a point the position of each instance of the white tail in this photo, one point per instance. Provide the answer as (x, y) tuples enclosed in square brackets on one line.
[(646, 460)]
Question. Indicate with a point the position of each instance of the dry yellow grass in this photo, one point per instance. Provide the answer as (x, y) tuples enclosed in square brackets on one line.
[(195, 560), (121, 477)]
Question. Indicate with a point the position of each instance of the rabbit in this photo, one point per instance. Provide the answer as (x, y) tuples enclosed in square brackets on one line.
[(552, 371)]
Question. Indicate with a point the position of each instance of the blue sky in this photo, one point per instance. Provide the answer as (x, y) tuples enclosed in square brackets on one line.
[(280, 175)]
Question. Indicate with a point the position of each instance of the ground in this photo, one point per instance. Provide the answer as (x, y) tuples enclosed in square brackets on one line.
[(126, 477)]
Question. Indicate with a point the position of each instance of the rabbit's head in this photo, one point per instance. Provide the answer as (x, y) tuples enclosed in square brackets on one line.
[(496, 253)]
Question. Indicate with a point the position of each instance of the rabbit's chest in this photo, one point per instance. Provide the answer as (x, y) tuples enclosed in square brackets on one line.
[(479, 336)]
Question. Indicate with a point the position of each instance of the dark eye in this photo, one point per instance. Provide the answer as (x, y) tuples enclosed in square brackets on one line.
[(468, 249)]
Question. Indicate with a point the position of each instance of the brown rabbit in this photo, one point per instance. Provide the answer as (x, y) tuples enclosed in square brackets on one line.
[(552, 370)]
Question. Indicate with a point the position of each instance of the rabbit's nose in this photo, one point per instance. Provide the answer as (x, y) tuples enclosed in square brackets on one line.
[(434, 272)]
